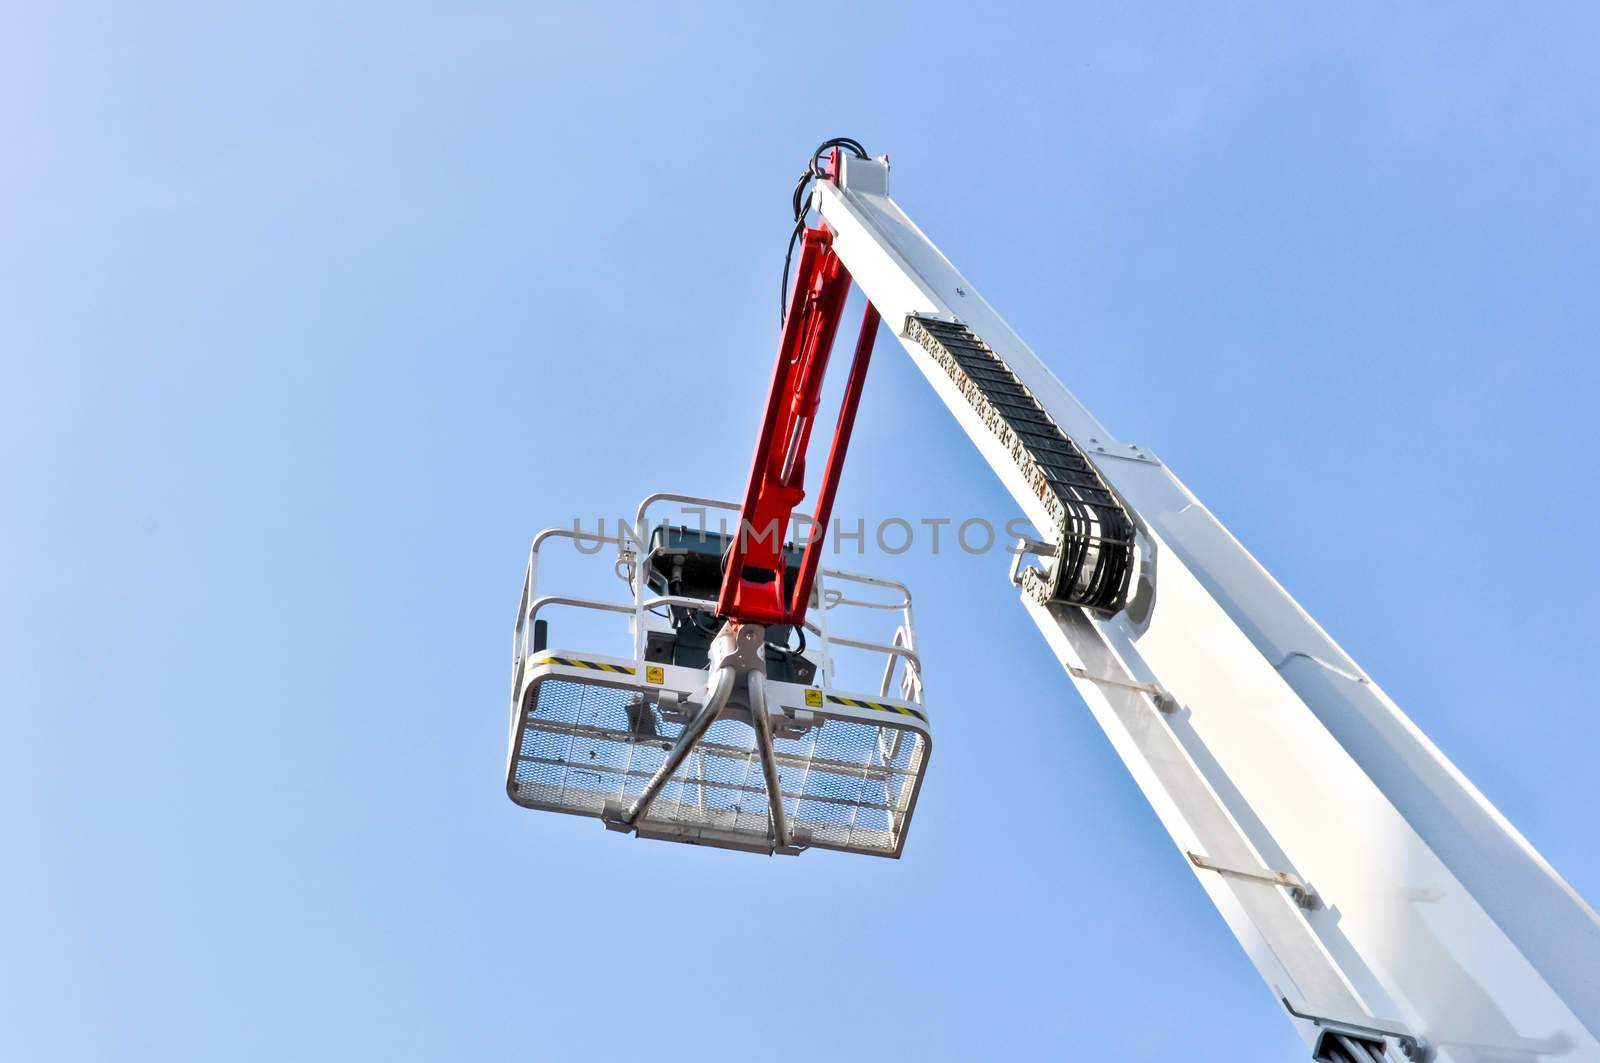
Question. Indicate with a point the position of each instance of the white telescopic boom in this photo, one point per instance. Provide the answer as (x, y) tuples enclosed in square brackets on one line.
[(1389, 907)]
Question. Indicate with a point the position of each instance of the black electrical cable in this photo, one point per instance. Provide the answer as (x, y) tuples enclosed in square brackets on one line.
[(813, 171), (784, 650), (706, 628)]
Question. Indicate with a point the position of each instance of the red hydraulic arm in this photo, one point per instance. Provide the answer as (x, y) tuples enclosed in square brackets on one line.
[(754, 586)]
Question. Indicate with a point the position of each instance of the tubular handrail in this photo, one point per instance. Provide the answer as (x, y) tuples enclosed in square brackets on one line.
[(888, 665), (702, 605), (644, 602), (582, 603), (709, 503), (570, 533), (875, 581), (668, 496), (909, 654), (839, 599)]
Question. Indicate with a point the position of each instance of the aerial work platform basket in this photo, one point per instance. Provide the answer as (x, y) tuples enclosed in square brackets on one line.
[(688, 738)]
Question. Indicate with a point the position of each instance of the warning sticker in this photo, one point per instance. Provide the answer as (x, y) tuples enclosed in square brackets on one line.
[(654, 673), (573, 662), (814, 697)]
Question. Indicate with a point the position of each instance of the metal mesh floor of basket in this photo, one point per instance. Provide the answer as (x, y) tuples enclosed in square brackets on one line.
[(847, 784)]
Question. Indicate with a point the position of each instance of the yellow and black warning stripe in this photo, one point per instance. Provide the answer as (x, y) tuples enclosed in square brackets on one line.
[(599, 666), (877, 706)]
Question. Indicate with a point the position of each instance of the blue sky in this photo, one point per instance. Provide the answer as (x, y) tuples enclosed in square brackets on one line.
[(312, 315)]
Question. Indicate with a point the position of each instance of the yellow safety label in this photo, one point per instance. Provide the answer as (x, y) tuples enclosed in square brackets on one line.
[(814, 697), (654, 673)]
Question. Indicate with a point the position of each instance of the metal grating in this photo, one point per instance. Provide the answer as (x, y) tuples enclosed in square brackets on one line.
[(850, 785)]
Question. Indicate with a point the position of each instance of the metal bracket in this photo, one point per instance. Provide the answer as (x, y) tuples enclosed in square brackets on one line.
[(1106, 448), (1329, 665), (1411, 1046), (792, 723), (1299, 889), (1024, 547), (1163, 700), (675, 707)]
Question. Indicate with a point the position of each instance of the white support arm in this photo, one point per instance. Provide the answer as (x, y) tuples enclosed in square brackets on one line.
[(1270, 757)]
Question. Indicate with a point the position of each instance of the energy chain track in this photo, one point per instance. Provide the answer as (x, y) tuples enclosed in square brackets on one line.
[(1093, 532)]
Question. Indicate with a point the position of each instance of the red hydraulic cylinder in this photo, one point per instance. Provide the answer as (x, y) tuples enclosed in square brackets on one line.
[(754, 578), (812, 558)]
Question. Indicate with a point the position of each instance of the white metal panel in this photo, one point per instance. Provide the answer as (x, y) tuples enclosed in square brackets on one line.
[(1282, 755)]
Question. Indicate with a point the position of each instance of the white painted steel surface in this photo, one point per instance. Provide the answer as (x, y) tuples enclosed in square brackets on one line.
[(1271, 751)]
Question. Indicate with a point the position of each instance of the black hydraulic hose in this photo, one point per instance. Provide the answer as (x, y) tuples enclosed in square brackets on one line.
[(813, 170)]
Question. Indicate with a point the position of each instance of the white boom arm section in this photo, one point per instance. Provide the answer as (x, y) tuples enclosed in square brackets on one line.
[(1389, 907)]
